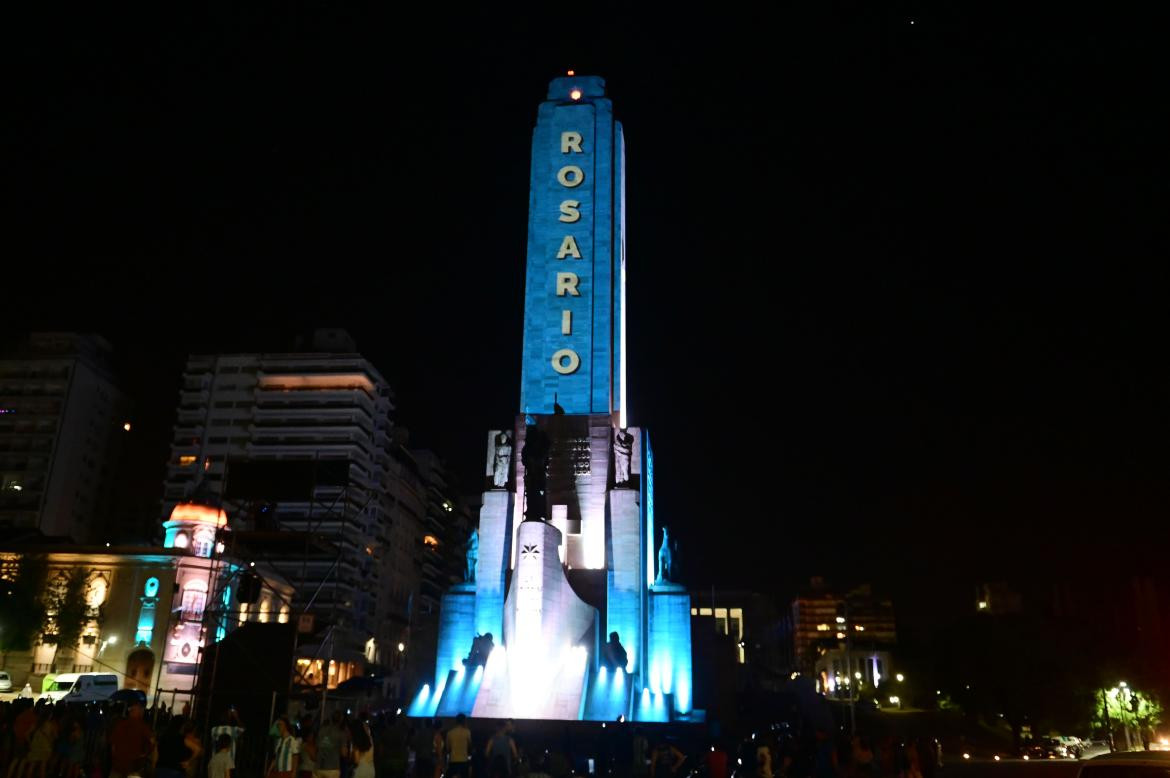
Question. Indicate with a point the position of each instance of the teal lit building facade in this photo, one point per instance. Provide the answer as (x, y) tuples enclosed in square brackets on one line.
[(583, 617)]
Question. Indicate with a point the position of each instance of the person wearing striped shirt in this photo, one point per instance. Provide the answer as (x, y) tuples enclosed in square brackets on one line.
[(288, 748), (230, 727)]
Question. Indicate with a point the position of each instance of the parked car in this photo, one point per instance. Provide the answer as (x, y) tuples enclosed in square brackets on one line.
[(82, 687), (1033, 750), (1054, 748), (5, 682)]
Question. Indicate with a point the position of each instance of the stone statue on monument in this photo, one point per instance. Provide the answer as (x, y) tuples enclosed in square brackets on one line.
[(502, 460), (534, 457), (666, 566), (481, 650), (472, 556), (623, 450), (613, 653)]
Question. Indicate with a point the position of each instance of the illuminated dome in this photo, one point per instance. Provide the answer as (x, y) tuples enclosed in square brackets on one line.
[(193, 526)]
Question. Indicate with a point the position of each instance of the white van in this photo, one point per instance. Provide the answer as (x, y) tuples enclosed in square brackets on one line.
[(82, 687)]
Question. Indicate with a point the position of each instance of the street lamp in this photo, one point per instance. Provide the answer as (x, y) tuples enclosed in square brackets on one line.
[(900, 677)]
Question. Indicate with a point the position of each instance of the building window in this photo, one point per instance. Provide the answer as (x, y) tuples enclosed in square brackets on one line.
[(194, 600), (187, 460), (204, 542), (96, 595)]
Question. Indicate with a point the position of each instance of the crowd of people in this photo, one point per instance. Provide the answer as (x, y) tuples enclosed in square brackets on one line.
[(46, 740), (624, 750)]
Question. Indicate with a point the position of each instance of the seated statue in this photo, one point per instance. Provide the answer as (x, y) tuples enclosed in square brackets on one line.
[(613, 654)]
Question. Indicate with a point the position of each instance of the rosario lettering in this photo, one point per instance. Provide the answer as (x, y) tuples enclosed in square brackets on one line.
[(566, 361)]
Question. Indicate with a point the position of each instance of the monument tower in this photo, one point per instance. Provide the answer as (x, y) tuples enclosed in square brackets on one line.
[(569, 610)]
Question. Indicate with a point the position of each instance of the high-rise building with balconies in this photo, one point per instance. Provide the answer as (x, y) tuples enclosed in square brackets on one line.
[(304, 442), (62, 423)]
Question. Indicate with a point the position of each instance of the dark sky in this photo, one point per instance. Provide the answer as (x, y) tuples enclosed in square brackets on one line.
[(897, 271)]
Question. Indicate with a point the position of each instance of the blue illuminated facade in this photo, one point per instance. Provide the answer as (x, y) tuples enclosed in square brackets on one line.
[(568, 543), (573, 294)]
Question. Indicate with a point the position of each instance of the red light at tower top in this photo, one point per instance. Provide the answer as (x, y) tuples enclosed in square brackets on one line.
[(575, 94)]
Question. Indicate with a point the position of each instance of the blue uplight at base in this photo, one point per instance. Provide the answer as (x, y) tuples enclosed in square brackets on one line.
[(652, 706), (609, 696), (459, 693)]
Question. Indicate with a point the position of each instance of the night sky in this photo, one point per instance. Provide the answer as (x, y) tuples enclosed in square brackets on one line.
[(897, 271)]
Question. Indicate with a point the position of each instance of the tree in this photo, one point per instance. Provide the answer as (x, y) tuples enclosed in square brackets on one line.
[(1129, 709), (70, 611), (22, 604)]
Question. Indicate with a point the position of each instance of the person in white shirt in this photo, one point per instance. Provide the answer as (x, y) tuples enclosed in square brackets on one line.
[(222, 765)]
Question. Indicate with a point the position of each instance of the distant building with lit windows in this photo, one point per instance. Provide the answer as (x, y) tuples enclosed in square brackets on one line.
[(63, 420), (841, 634)]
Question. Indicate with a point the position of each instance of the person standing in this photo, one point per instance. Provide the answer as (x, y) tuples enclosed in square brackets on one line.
[(763, 759), (666, 760), (40, 744), (173, 752), (230, 727), (639, 754), (308, 761), (284, 761), (501, 752), (222, 765), (438, 749), (363, 750), (459, 748), (131, 744), (332, 742), (195, 746), (717, 761)]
